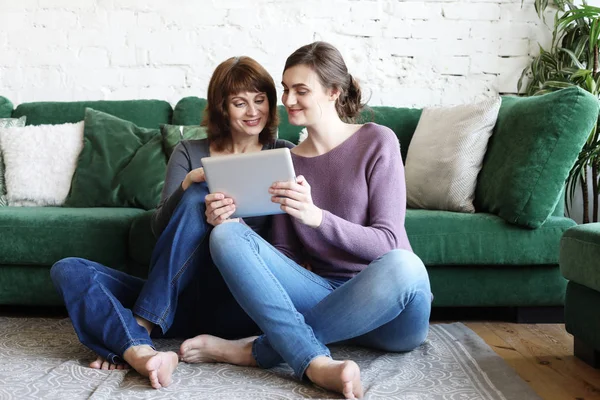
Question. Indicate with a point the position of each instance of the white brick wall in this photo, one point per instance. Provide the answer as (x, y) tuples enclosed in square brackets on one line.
[(406, 53)]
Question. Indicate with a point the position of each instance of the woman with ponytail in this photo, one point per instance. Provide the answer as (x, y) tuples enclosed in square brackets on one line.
[(340, 267)]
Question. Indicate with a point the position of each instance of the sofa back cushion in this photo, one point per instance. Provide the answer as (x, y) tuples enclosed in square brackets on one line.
[(534, 145), (6, 107), (403, 121), (189, 111), (172, 135), (143, 113)]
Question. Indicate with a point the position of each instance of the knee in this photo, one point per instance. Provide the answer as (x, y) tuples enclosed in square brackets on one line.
[(224, 237), (67, 269), (403, 344), (194, 196), (402, 267)]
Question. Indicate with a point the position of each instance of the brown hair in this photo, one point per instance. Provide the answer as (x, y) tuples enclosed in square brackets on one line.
[(329, 65), (232, 76)]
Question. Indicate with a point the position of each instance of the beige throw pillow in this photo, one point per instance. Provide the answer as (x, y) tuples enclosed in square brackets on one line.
[(446, 153)]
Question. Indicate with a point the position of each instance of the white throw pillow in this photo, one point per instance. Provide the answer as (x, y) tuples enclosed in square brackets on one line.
[(7, 123), (446, 153), (39, 162)]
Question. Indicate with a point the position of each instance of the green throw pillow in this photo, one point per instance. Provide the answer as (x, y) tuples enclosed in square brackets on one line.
[(534, 145), (121, 165), (173, 134), (7, 123)]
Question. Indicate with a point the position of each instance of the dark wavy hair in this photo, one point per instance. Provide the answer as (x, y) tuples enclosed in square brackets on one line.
[(232, 76), (329, 65)]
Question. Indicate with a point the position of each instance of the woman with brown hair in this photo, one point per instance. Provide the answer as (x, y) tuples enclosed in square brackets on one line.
[(114, 313), (365, 285)]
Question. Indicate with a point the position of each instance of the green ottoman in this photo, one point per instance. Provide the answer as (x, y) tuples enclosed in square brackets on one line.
[(580, 264)]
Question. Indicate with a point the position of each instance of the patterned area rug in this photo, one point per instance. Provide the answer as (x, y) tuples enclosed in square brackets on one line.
[(42, 359)]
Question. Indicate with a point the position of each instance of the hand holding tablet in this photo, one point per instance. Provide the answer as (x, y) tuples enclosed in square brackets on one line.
[(296, 200), (246, 178)]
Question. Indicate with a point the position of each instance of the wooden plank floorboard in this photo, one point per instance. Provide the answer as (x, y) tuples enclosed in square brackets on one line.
[(542, 354), (544, 384)]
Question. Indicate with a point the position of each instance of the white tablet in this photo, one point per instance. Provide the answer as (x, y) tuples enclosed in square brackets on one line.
[(246, 178)]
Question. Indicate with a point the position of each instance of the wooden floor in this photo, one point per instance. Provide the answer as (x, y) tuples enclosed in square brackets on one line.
[(542, 354)]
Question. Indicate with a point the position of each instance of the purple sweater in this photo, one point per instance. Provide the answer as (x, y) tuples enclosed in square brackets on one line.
[(360, 187)]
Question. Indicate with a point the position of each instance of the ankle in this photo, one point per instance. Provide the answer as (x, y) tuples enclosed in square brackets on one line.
[(135, 353), (315, 365), (144, 323)]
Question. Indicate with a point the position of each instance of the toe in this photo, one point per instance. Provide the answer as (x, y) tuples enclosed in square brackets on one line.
[(154, 380)]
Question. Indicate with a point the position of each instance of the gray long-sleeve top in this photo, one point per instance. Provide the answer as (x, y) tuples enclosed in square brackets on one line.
[(186, 157)]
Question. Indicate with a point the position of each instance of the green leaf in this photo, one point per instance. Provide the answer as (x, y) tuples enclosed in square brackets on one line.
[(581, 73), (557, 84), (590, 84), (573, 57)]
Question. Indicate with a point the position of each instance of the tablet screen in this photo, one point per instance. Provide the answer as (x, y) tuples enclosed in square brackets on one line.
[(246, 178)]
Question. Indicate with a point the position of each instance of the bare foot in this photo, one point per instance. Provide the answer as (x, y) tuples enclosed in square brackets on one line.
[(338, 376), (157, 366), (207, 349), (102, 363)]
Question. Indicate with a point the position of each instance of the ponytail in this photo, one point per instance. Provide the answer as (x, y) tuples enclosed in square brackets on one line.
[(348, 105)]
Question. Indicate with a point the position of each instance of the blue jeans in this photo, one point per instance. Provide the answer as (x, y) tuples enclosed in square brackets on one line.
[(183, 296), (386, 306)]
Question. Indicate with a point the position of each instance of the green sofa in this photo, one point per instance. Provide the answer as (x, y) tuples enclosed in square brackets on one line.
[(580, 264), (505, 255)]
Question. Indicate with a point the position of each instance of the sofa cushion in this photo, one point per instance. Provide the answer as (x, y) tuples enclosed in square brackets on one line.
[(580, 255), (141, 239), (173, 134), (403, 121), (143, 113), (44, 235), (534, 145), (6, 107), (189, 111), (121, 165), (582, 314), (497, 285), (285, 130), (27, 286), (449, 238)]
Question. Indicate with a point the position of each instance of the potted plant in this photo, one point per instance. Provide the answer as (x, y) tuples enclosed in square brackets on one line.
[(572, 59)]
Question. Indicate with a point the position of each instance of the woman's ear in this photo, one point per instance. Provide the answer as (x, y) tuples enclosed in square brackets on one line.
[(334, 94)]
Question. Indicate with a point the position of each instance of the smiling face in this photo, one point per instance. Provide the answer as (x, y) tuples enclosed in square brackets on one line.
[(306, 100), (248, 113)]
